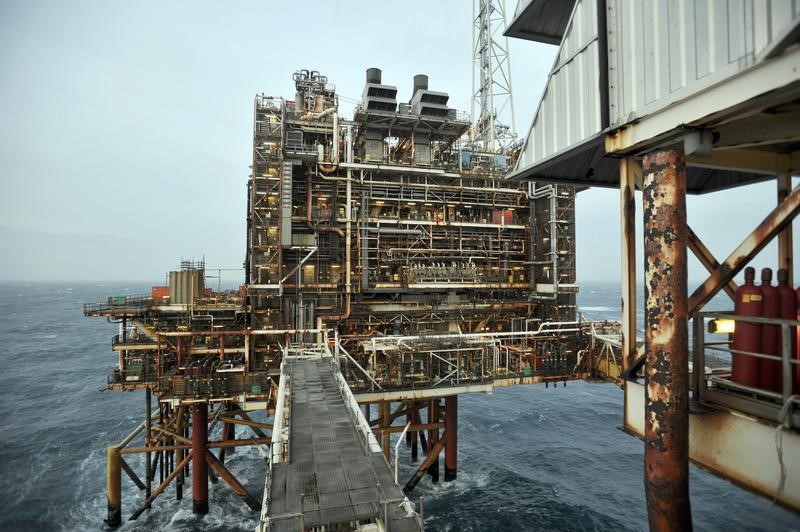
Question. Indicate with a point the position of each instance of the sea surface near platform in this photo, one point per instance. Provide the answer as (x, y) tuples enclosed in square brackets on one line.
[(530, 457)]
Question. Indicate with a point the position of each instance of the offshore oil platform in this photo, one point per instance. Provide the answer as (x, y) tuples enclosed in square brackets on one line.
[(404, 255), (389, 268)]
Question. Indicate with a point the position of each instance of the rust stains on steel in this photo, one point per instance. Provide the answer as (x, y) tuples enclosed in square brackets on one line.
[(666, 339), (628, 225), (774, 223), (707, 259)]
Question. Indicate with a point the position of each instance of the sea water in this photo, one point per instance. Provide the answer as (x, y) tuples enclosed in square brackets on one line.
[(530, 457)]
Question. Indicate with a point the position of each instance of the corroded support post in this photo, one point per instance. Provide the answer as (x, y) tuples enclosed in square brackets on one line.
[(627, 208), (414, 436), (666, 455), (200, 467), (451, 445), (114, 518), (433, 438), (785, 248), (386, 422)]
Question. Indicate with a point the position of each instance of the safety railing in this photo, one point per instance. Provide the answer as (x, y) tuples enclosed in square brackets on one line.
[(132, 303), (130, 340), (132, 375), (217, 385), (713, 382)]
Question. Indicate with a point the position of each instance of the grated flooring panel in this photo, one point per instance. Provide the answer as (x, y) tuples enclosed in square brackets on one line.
[(330, 478)]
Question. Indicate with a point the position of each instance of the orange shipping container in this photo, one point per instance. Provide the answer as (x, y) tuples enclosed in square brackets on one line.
[(160, 292)]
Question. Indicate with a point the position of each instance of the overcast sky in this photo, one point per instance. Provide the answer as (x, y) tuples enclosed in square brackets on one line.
[(126, 126)]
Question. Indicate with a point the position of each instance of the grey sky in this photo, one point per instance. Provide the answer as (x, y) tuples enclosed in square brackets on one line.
[(126, 126)]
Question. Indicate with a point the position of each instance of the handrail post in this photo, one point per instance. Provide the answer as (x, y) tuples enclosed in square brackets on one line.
[(786, 365)]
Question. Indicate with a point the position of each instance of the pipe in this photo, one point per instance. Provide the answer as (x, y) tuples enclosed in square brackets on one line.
[(335, 147), (348, 237), (317, 116), (200, 471), (666, 453)]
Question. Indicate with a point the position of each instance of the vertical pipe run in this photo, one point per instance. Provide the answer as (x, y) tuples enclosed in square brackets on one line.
[(114, 518), (451, 445), (666, 455), (200, 471)]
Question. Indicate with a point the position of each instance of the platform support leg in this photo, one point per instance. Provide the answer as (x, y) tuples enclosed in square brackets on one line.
[(386, 423), (451, 445), (200, 469), (114, 518), (414, 435), (666, 455), (433, 438)]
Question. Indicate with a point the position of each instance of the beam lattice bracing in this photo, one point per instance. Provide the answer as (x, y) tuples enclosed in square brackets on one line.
[(493, 126)]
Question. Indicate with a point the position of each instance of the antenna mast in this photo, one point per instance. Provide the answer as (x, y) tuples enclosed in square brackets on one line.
[(494, 127)]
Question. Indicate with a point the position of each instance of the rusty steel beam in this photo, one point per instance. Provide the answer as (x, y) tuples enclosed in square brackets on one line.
[(132, 475), (160, 489), (707, 259), (666, 454), (433, 457), (232, 481), (775, 221), (245, 421), (227, 444), (416, 426)]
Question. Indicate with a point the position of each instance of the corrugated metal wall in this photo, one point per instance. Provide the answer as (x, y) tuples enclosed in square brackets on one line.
[(658, 52), (569, 111), (664, 51)]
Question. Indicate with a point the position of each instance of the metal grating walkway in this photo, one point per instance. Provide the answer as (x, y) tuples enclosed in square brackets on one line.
[(331, 478)]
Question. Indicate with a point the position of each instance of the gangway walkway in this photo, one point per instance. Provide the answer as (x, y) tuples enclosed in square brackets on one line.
[(327, 468)]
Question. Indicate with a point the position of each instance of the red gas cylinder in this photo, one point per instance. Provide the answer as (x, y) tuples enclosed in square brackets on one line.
[(796, 384), (770, 334), (788, 311), (747, 336)]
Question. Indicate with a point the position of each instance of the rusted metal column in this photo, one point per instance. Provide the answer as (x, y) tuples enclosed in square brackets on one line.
[(666, 454), (409, 419), (180, 428), (451, 445), (627, 209), (785, 248), (200, 469), (386, 422), (114, 518), (414, 436), (433, 438)]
